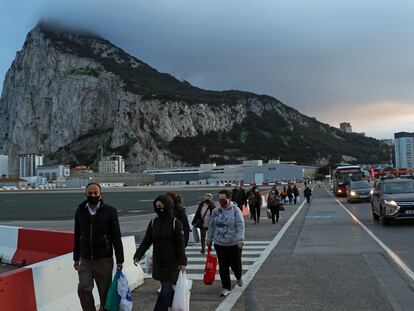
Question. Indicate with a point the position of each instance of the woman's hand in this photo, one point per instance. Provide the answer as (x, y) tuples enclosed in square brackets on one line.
[(136, 261), (183, 268)]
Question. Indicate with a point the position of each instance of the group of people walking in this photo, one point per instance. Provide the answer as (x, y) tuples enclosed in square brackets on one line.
[(97, 235)]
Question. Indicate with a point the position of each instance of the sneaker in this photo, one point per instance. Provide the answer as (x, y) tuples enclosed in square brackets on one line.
[(224, 293), (239, 282)]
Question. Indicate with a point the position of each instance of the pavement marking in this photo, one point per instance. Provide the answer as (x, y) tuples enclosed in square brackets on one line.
[(136, 211), (236, 292), (244, 247), (391, 253), (213, 252)]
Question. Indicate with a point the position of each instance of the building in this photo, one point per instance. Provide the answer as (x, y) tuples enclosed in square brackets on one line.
[(36, 182), (53, 172), (13, 183), (28, 164), (404, 150), (112, 164), (270, 172), (345, 127), (81, 169), (4, 166)]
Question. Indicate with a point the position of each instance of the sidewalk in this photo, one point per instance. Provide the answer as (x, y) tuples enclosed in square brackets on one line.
[(205, 297)]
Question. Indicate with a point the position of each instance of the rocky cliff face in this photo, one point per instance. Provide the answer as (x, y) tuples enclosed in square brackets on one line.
[(67, 94)]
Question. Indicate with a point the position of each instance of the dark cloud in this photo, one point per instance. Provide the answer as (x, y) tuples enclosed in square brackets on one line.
[(320, 57)]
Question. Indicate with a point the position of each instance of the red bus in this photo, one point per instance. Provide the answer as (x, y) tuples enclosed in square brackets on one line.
[(342, 177)]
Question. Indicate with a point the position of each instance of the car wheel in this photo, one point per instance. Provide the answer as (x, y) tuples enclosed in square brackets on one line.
[(382, 218)]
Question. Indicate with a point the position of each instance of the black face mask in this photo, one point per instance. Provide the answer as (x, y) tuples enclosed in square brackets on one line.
[(160, 211), (92, 200)]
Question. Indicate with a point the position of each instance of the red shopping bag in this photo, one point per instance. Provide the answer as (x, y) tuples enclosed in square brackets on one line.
[(210, 269), (246, 211)]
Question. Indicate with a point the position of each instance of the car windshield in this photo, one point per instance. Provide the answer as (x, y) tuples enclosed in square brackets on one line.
[(360, 185), (399, 187)]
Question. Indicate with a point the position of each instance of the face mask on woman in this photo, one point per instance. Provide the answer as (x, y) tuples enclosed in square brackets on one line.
[(223, 202)]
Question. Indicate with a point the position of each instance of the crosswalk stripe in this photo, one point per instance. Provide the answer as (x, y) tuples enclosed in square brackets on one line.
[(244, 247), (201, 267), (203, 259), (199, 277), (243, 253)]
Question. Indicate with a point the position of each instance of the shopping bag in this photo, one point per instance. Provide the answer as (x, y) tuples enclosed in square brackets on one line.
[(210, 268), (111, 301), (298, 199), (148, 263), (269, 213), (181, 301), (195, 236), (124, 294), (246, 211)]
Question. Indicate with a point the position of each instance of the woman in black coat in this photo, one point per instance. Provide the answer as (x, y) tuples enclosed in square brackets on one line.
[(180, 214), (165, 233)]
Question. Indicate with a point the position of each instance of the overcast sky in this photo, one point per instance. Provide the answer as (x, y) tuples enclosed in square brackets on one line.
[(336, 60)]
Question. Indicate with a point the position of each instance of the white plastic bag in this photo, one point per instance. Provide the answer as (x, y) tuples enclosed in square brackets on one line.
[(195, 236), (181, 301), (125, 303), (148, 263)]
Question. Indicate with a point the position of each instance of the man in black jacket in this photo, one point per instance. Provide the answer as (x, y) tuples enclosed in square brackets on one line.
[(97, 233), (239, 196)]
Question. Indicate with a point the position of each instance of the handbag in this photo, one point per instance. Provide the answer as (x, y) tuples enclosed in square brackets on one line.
[(269, 213), (210, 268), (246, 211)]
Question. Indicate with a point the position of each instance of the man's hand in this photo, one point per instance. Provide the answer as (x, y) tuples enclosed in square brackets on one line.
[(183, 268), (76, 265), (119, 266), (240, 245), (136, 261)]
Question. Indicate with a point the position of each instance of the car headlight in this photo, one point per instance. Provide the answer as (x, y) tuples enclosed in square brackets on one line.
[(339, 190), (353, 193), (371, 192), (392, 203)]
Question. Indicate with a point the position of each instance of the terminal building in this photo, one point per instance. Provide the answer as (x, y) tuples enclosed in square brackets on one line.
[(112, 164), (53, 172), (248, 172)]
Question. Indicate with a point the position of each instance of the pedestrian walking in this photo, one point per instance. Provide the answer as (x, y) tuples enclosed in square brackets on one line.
[(307, 194), (251, 207), (180, 214), (202, 217), (239, 196), (290, 194), (255, 204), (295, 194), (274, 204), (284, 194), (227, 230), (96, 236), (165, 233)]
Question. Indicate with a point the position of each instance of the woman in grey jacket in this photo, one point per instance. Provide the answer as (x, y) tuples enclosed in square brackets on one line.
[(226, 230)]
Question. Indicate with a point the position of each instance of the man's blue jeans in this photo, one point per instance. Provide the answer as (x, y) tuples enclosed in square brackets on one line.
[(165, 297)]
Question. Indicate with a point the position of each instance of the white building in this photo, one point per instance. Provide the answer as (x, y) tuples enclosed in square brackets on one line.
[(53, 172), (4, 165), (111, 164), (404, 150), (28, 164), (345, 127)]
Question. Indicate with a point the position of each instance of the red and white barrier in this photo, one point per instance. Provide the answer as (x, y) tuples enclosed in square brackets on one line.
[(8, 243), (49, 284)]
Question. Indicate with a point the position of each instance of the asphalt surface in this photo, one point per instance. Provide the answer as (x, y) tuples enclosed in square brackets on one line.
[(61, 205)]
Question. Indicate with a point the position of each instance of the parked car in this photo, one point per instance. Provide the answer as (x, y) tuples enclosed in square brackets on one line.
[(393, 199), (358, 191)]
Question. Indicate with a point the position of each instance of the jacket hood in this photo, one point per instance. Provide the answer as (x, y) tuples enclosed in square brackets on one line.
[(167, 202)]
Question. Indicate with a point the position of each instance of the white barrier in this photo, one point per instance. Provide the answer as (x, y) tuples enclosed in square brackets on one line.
[(134, 274), (56, 283), (8, 243)]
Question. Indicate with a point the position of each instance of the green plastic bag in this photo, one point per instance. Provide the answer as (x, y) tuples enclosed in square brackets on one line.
[(111, 302)]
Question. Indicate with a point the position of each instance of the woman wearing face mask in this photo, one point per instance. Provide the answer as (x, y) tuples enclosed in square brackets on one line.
[(165, 233), (202, 218), (255, 203), (273, 203), (226, 230)]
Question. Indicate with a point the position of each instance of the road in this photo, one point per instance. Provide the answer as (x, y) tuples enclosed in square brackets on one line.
[(318, 257)]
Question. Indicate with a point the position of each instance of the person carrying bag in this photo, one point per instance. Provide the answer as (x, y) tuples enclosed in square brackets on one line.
[(202, 218)]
